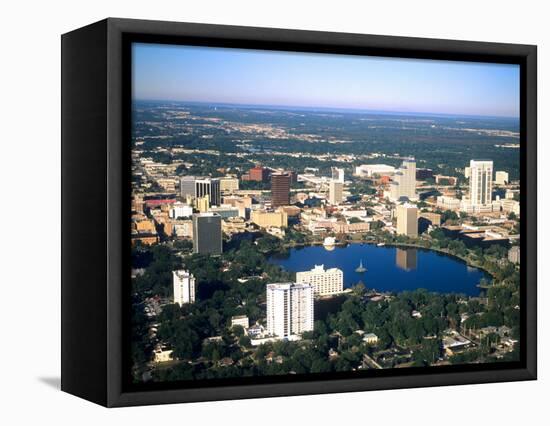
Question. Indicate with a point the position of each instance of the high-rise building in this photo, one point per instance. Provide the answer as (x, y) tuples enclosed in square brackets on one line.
[(210, 187), (187, 187), (289, 309), (202, 204), (481, 182), (259, 174), (324, 281), (338, 174), (407, 220), (207, 233), (184, 287), (403, 184), (335, 192), (280, 189), (501, 178)]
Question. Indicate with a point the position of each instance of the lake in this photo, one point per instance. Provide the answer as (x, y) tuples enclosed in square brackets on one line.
[(389, 268)]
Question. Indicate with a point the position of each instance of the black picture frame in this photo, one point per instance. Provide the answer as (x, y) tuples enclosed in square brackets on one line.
[(95, 175)]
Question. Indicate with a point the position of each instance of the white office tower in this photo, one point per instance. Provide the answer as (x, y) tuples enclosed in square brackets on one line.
[(184, 287), (338, 174), (289, 309), (335, 192), (407, 220), (210, 187), (324, 281), (403, 184), (481, 183)]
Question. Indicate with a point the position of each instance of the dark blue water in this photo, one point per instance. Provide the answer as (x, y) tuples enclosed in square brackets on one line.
[(389, 268)]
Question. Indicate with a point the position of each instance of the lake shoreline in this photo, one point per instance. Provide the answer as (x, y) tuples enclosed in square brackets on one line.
[(431, 275), (466, 260)]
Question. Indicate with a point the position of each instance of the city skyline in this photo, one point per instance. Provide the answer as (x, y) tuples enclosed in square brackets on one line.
[(365, 244), (292, 80)]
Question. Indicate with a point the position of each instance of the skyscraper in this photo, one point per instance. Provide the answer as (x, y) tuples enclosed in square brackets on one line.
[(407, 220), (184, 287), (207, 233), (337, 174), (324, 281), (403, 184), (335, 190), (187, 187), (280, 189), (259, 174), (210, 187), (481, 182), (289, 309)]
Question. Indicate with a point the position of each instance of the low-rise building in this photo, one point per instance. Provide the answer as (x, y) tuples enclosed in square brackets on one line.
[(324, 281), (182, 228), (350, 228), (448, 203), (427, 220), (510, 206), (370, 339), (229, 184), (162, 355), (180, 209), (233, 225), (453, 342), (369, 170), (501, 178), (267, 219), (241, 320)]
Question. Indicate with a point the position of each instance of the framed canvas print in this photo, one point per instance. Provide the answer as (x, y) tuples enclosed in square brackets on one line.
[(253, 212)]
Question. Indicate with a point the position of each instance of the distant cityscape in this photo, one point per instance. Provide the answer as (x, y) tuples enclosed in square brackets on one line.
[(215, 200)]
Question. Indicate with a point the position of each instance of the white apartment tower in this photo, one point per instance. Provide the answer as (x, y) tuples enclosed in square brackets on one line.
[(324, 281), (335, 192), (184, 287), (407, 220), (403, 184), (289, 309), (481, 182)]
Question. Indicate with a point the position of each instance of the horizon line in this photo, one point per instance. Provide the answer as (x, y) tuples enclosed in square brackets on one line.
[(335, 109)]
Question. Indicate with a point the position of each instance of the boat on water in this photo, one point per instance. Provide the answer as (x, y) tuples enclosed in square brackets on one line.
[(360, 269), (380, 244)]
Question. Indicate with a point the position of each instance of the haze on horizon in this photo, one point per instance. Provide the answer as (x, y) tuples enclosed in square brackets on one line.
[(324, 81)]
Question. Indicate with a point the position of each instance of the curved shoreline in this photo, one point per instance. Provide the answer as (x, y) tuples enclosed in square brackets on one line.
[(397, 245)]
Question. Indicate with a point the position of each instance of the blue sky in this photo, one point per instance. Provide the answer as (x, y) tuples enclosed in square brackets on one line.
[(222, 75)]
